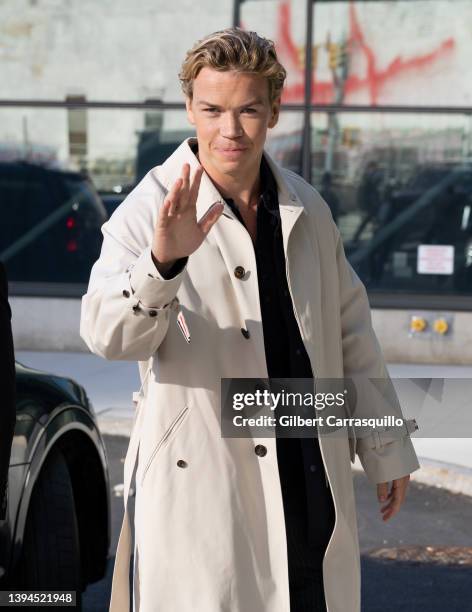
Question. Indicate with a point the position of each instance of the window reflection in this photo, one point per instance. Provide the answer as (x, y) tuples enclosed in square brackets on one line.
[(431, 209), (395, 183), (284, 142)]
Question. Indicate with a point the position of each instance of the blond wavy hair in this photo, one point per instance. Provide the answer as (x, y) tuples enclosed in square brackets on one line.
[(234, 49)]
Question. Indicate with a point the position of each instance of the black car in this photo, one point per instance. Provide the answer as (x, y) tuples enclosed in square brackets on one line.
[(51, 221), (57, 532)]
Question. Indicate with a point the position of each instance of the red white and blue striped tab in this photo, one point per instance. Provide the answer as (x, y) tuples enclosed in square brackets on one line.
[(182, 323)]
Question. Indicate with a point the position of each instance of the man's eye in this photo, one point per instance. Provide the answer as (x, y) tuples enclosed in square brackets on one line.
[(210, 110), (251, 111)]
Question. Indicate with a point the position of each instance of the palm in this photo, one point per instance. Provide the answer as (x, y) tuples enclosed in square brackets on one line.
[(178, 233)]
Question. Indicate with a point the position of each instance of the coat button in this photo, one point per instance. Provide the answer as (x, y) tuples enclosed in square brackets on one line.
[(181, 463), (312, 468), (239, 272), (153, 313), (245, 333), (126, 293), (260, 450)]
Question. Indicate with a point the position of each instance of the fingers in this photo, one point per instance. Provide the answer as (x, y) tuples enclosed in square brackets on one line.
[(395, 497), (211, 217), (171, 202), (382, 490), (195, 186), (183, 192), (164, 213)]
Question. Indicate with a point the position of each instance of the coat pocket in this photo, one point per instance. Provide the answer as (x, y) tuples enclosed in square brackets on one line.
[(169, 432)]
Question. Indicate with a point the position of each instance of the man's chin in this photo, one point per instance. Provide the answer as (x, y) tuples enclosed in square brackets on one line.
[(232, 165)]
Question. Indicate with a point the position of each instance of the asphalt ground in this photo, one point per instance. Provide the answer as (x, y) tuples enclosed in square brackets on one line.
[(421, 560)]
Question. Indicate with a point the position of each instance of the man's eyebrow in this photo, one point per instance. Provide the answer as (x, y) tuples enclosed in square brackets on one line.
[(255, 102)]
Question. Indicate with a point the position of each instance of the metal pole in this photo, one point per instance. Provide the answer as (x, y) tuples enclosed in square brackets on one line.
[(306, 138), (236, 13)]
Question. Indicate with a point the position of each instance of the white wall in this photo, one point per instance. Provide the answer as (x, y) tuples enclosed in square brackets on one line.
[(52, 324)]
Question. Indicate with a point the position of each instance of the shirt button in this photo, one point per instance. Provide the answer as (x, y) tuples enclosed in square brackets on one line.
[(239, 272), (312, 468), (260, 450), (126, 293), (181, 463), (245, 333)]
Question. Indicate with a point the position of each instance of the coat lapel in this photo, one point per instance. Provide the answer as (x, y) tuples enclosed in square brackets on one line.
[(291, 207)]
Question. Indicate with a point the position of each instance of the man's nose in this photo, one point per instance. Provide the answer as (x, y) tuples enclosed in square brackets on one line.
[(230, 126)]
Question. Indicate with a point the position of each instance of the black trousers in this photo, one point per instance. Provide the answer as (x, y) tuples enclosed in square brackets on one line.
[(309, 520)]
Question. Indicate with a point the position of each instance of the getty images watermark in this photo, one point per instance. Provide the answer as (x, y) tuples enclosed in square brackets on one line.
[(357, 406), (321, 401)]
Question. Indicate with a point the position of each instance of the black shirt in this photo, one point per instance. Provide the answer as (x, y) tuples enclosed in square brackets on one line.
[(307, 499)]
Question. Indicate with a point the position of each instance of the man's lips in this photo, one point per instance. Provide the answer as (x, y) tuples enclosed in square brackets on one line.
[(233, 150)]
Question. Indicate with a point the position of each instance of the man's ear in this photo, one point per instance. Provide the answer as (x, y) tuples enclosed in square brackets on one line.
[(275, 110), (188, 106)]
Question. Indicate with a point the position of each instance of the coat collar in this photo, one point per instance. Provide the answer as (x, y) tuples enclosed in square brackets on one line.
[(208, 194)]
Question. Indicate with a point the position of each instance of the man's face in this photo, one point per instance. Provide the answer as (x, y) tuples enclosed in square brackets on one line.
[(231, 113)]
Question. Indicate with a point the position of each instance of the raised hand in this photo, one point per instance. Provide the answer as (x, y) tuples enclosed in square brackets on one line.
[(178, 233)]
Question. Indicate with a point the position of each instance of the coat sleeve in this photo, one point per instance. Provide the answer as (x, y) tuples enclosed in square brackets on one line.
[(385, 453), (125, 312)]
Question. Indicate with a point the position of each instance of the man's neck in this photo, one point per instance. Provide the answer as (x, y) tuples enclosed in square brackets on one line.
[(244, 190)]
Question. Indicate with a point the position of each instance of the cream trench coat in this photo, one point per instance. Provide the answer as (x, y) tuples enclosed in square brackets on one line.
[(209, 522)]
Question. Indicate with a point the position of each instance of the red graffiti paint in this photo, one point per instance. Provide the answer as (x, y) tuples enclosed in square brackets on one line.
[(374, 79)]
